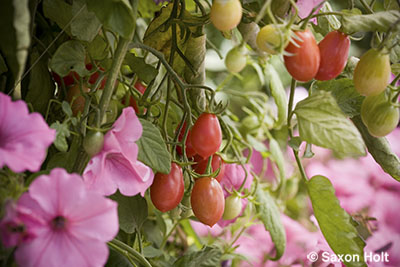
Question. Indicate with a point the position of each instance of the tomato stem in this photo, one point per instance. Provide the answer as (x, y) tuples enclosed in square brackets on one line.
[(127, 251), (289, 118)]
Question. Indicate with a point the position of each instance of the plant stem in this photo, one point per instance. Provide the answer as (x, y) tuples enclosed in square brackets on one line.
[(127, 251), (289, 118)]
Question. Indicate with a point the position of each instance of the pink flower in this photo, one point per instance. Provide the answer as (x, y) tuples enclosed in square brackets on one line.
[(305, 7), (116, 166), (233, 178), (24, 137), (75, 223)]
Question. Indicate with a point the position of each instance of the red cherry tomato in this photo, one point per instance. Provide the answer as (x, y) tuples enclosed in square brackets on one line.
[(304, 62), (76, 99), (216, 163), (206, 135), (334, 50), (132, 102), (68, 80), (167, 190), (188, 144), (207, 200)]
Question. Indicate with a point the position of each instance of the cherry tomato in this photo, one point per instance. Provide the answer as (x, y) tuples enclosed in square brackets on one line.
[(167, 190), (76, 99), (380, 117), (235, 60), (233, 207), (206, 135), (334, 50), (269, 39), (68, 80), (372, 73), (207, 200), (93, 78), (304, 62), (190, 152), (93, 142), (216, 163), (132, 102), (226, 14)]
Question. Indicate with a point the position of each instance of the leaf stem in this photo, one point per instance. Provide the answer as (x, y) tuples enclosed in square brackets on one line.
[(289, 118), (127, 251)]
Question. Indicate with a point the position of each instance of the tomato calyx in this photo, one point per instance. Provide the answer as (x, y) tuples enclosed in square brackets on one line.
[(212, 167)]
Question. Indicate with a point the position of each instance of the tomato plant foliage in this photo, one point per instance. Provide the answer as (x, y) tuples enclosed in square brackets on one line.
[(219, 92)]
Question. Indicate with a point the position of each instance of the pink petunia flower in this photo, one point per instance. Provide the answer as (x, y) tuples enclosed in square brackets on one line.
[(305, 7), (24, 137), (75, 223), (116, 166), (233, 178)]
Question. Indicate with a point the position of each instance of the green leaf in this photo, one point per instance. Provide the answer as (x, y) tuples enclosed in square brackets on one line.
[(278, 93), (41, 88), (348, 99), (335, 223), (116, 15), (380, 150), (15, 31), (85, 26), (132, 212), (144, 71), (152, 149), (3, 66), (152, 252), (97, 49), (66, 108), (58, 11), (62, 135), (147, 8), (70, 56), (207, 257), (270, 216), (254, 143), (277, 157), (322, 123), (116, 259), (379, 21)]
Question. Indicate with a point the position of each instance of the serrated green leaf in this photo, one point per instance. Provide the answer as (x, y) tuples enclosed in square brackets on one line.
[(152, 149), (278, 93), (116, 259), (144, 71), (379, 21), (132, 212), (70, 56), (66, 108), (335, 223), (40, 88), (62, 135), (15, 31), (348, 99), (380, 150), (116, 15), (322, 123), (270, 216), (85, 26), (58, 11), (207, 257)]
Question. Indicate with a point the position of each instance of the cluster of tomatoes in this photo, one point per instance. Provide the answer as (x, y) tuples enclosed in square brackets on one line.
[(207, 198)]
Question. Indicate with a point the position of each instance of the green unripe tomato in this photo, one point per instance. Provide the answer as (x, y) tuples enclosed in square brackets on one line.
[(372, 73), (93, 143), (379, 115), (233, 207), (226, 14), (269, 39), (235, 60)]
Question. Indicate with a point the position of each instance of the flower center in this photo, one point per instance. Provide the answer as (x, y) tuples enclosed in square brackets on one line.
[(59, 223)]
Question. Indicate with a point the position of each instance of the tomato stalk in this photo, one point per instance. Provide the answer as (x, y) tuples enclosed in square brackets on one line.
[(289, 118), (127, 251)]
